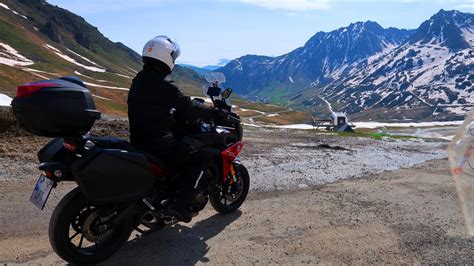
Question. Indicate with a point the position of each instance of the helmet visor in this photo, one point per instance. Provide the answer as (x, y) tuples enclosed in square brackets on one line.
[(177, 50)]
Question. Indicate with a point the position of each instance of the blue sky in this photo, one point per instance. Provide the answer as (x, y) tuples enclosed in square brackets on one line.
[(209, 30)]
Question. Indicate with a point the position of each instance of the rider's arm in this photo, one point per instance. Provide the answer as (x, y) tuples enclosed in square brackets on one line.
[(192, 108)]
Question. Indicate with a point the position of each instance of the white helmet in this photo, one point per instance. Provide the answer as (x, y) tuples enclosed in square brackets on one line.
[(162, 48)]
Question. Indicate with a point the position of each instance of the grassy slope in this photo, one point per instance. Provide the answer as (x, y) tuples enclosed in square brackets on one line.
[(21, 34)]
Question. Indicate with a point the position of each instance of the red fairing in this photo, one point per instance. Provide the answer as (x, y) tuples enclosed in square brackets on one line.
[(228, 157), (28, 89)]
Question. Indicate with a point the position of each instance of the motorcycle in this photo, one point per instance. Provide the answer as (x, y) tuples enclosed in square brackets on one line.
[(119, 187)]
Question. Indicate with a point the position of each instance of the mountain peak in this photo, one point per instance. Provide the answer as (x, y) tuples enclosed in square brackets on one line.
[(446, 28), (445, 13)]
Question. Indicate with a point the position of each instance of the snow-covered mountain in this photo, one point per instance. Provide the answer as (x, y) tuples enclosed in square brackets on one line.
[(323, 58), (363, 69), (433, 73)]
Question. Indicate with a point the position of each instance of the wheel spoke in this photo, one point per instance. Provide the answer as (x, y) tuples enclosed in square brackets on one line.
[(80, 241), (73, 236)]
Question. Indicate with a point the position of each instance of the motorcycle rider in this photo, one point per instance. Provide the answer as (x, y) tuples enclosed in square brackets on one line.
[(157, 112)]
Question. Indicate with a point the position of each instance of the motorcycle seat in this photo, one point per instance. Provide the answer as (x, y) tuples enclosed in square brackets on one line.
[(122, 144), (112, 143)]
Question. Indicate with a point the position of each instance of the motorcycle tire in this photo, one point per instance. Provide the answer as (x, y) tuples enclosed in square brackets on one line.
[(67, 215), (216, 198)]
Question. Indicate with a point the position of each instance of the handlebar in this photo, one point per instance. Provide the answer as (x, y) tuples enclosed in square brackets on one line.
[(232, 119), (227, 116)]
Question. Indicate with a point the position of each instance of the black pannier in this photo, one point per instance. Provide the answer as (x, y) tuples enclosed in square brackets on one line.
[(55, 108), (111, 175)]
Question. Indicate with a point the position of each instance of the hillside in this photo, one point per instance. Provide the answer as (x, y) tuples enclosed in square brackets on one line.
[(42, 41), (430, 76), (371, 72)]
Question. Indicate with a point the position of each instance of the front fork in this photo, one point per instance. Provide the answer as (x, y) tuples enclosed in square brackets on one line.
[(233, 177)]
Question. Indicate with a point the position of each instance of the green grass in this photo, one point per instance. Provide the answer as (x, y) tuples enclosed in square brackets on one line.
[(20, 34), (111, 107), (377, 136), (258, 106)]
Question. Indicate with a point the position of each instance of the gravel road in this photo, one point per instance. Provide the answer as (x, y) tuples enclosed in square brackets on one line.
[(315, 198), (402, 216)]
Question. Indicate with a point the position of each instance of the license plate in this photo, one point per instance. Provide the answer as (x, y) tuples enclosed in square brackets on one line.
[(41, 193)]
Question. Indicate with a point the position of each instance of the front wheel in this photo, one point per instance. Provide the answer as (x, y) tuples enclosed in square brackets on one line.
[(82, 233), (232, 194)]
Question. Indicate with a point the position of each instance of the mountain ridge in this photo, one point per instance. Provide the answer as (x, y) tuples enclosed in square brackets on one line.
[(317, 59), (429, 68)]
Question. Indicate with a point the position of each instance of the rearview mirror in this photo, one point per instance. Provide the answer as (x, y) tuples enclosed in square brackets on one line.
[(226, 93)]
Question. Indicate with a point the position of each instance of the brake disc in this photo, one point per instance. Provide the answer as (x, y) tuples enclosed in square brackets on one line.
[(93, 231), (81, 217)]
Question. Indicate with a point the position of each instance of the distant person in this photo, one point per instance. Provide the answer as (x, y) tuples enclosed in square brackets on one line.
[(158, 111)]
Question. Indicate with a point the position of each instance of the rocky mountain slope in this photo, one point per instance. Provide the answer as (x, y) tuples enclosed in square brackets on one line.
[(322, 59), (431, 75), (427, 73)]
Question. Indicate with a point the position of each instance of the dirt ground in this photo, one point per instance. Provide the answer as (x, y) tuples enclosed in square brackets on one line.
[(403, 216), (408, 215)]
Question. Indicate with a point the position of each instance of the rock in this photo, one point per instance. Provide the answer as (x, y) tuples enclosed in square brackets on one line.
[(303, 186)]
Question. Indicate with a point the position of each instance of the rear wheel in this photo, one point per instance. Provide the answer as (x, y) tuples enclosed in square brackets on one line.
[(82, 233), (232, 194)]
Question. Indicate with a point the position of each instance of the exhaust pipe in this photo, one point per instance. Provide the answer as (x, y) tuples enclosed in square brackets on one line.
[(149, 218)]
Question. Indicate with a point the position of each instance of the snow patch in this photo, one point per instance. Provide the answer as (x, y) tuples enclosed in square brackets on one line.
[(329, 105), (82, 75), (106, 87), (457, 110), (251, 110), (372, 125), (295, 126), (5, 100), (39, 71), (100, 97), (124, 76), (468, 35), (14, 12), (11, 57), (71, 60), (88, 60)]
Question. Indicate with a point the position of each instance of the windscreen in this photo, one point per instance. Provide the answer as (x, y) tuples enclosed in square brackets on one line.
[(213, 77)]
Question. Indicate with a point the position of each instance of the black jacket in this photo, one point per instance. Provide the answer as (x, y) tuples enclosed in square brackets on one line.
[(151, 102)]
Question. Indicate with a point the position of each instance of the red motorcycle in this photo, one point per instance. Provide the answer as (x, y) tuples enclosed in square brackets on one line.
[(119, 187)]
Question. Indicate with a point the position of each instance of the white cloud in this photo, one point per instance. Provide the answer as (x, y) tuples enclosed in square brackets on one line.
[(290, 5), (466, 6)]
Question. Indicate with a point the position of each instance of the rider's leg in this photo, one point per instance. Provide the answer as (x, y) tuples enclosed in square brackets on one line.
[(189, 182)]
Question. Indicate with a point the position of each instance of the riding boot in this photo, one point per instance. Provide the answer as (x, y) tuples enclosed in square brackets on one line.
[(181, 207), (180, 210)]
